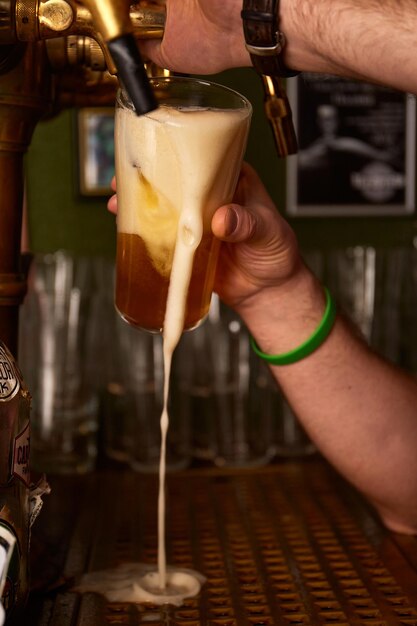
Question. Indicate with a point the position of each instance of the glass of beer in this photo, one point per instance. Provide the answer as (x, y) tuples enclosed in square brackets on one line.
[(174, 167)]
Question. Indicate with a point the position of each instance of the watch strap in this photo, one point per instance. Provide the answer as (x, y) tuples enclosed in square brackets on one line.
[(264, 41)]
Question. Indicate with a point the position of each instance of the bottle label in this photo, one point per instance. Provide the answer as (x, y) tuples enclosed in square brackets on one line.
[(21, 454), (9, 381), (10, 579)]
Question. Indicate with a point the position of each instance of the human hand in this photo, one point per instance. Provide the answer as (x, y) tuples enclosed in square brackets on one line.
[(112, 202), (259, 249), (200, 37)]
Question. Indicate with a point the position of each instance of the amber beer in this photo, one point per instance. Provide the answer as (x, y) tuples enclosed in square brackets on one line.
[(141, 292), (174, 168)]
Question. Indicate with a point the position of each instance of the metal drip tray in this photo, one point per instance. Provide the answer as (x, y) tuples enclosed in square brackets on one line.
[(289, 544)]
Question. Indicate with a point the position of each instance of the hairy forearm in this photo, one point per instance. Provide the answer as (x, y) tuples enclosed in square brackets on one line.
[(373, 40), (359, 410)]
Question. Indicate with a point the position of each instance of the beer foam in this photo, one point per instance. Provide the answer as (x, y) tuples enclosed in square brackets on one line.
[(138, 583), (170, 161)]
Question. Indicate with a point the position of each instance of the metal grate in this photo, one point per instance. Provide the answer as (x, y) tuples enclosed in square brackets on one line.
[(289, 544)]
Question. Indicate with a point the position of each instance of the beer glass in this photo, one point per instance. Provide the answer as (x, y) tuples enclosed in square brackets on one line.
[(174, 167)]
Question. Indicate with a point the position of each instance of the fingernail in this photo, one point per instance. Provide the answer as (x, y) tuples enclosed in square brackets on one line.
[(231, 222)]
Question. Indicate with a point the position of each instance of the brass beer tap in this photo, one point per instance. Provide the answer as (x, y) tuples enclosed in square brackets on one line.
[(112, 19)]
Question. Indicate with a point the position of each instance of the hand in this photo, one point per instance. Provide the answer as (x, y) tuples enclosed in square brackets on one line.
[(112, 203), (259, 249), (201, 37)]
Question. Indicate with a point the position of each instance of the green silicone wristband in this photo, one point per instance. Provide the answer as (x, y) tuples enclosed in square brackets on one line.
[(310, 345)]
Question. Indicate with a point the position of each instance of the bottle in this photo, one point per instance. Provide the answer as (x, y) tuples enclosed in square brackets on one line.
[(14, 485)]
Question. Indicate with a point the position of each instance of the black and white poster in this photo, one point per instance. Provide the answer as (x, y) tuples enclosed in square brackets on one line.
[(356, 148)]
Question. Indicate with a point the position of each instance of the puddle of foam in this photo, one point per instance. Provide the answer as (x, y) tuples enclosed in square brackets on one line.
[(139, 583)]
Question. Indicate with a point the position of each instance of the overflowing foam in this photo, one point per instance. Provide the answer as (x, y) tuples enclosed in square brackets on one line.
[(183, 168)]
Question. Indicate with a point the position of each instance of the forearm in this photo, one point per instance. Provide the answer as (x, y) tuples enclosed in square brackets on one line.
[(374, 40), (359, 410)]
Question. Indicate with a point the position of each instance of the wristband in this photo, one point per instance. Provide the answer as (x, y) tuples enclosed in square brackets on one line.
[(310, 345)]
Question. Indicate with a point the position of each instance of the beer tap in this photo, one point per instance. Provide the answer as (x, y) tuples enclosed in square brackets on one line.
[(110, 23), (112, 19)]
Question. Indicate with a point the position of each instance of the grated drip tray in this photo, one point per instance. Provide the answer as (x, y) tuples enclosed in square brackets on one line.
[(289, 544)]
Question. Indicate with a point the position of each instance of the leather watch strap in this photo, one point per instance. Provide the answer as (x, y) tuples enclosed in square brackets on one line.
[(264, 40)]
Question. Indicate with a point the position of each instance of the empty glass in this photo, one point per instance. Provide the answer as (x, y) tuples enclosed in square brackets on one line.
[(58, 343), (219, 392)]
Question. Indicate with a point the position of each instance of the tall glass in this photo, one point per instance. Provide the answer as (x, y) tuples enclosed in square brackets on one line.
[(174, 167)]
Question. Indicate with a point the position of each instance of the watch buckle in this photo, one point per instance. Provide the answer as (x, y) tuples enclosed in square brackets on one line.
[(268, 51)]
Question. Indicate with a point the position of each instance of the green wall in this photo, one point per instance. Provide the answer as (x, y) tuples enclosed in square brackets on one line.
[(60, 218)]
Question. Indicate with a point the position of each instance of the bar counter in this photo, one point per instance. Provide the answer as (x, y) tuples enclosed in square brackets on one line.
[(288, 544)]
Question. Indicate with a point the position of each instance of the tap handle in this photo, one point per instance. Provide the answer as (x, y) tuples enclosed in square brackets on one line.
[(279, 114), (131, 72)]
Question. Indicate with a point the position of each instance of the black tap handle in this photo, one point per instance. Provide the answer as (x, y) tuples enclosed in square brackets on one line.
[(132, 73)]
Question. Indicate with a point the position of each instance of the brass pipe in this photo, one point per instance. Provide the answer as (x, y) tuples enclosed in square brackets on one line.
[(12, 282), (25, 96)]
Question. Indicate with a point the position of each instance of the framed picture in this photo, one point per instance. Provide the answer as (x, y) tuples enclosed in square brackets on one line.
[(96, 150), (357, 149)]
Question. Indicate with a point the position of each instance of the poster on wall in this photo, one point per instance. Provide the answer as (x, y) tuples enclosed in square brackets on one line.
[(96, 150), (356, 148)]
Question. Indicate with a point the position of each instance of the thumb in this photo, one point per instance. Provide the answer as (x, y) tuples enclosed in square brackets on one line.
[(235, 223)]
